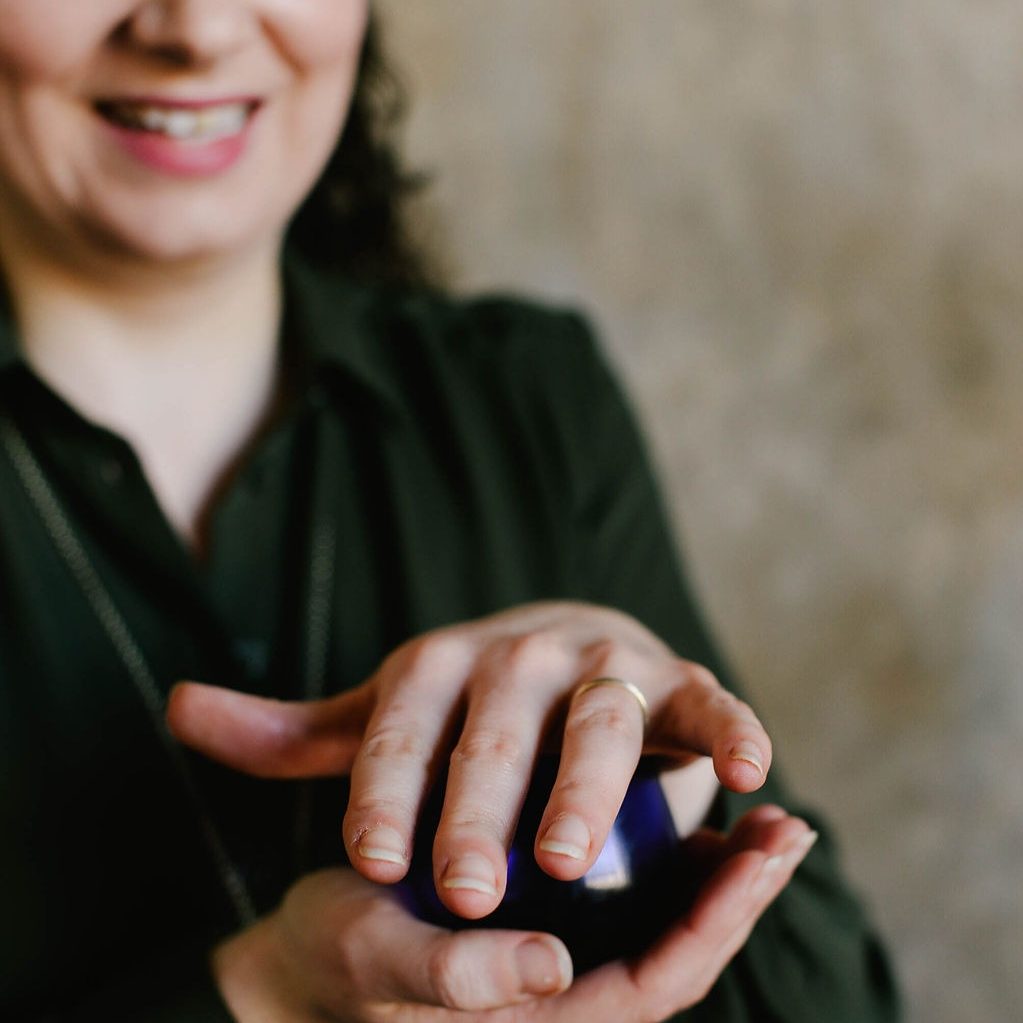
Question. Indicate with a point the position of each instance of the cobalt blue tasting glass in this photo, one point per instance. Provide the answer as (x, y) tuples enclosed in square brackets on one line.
[(637, 886)]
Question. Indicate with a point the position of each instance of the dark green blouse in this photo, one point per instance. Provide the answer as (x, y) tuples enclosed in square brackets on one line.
[(468, 456)]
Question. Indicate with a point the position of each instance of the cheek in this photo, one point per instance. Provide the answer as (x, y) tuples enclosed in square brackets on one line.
[(36, 155), (322, 40), (49, 39), (317, 34)]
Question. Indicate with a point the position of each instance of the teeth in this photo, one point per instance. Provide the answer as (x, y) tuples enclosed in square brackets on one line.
[(185, 125)]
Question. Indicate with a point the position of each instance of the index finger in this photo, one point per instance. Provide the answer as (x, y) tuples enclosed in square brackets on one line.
[(270, 738)]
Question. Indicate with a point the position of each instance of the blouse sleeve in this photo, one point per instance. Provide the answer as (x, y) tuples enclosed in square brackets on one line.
[(813, 956)]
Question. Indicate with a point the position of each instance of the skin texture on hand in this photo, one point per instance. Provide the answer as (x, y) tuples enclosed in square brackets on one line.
[(491, 692), (342, 949)]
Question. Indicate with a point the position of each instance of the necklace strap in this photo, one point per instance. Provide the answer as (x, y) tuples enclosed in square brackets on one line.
[(109, 617)]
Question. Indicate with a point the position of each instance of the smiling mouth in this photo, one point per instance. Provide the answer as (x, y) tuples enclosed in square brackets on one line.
[(198, 124)]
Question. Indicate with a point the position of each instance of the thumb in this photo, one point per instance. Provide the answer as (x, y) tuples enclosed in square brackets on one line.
[(270, 738), (374, 954)]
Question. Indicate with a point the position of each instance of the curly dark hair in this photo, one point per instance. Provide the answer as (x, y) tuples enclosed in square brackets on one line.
[(354, 218)]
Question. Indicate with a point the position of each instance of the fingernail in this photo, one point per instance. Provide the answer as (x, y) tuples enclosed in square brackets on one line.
[(786, 860), (472, 872), (748, 754), (802, 845), (382, 844), (567, 836), (543, 970)]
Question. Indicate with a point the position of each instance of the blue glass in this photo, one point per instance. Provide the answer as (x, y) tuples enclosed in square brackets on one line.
[(638, 884)]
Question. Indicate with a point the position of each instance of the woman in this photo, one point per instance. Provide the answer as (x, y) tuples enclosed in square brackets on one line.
[(226, 458)]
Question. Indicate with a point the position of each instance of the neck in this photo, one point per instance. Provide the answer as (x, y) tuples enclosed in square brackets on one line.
[(182, 362)]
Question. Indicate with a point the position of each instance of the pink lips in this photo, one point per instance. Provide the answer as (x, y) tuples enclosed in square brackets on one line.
[(182, 157)]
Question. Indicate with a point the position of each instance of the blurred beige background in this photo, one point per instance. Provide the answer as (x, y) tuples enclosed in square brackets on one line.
[(799, 226)]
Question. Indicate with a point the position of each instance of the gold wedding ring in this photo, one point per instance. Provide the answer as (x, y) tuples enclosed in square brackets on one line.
[(633, 691)]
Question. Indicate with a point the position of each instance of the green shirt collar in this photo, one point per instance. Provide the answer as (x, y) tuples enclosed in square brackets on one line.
[(328, 317), (331, 319)]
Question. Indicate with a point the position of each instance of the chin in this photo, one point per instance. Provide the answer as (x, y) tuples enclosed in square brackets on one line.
[(174, 236)]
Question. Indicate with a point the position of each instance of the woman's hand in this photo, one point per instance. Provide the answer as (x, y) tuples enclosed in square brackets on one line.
[(341, 949), (495, 690)]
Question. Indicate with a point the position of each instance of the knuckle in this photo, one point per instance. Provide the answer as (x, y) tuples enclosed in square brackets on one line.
[(492, 745), (348, 946), (702, 693), (532, 652), (625, 651), (376, 805), (395, 665), (742, 709), (569, 787), (721, 703), (604, 654), (448, 976), (348, 960), (422, 660), (604, 719), (697, 675), (391, 742), (472, 818)]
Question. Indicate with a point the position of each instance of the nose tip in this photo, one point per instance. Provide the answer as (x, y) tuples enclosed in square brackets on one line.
[(189, 31)]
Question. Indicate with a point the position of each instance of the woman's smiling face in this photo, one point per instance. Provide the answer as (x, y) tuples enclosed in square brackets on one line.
[(168, 129)]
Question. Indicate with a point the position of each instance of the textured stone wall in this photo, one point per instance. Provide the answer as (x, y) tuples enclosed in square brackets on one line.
[(799, 226)]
